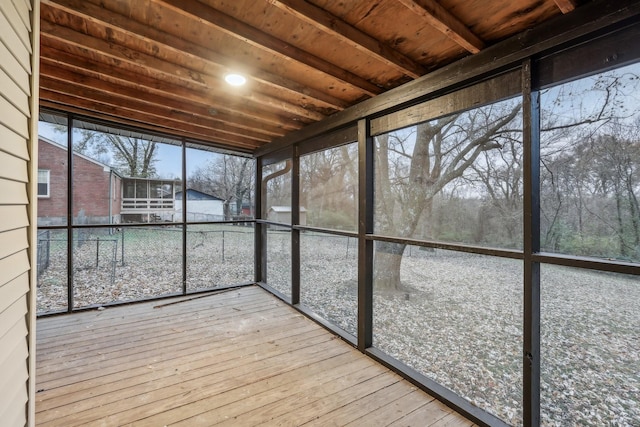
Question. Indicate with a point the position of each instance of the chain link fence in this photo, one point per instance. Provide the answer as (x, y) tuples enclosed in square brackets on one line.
[(131, 263), (44, 251)]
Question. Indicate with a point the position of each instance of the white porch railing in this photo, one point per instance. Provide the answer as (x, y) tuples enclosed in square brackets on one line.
[(140, 205)]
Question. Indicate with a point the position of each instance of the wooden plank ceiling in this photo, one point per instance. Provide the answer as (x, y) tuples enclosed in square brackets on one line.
[(160, 64)]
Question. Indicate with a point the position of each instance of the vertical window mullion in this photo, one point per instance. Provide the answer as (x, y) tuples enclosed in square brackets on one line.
[(531, 220), (365, 226), (295, 234), (260, 248), (184, 214), (70, 121)]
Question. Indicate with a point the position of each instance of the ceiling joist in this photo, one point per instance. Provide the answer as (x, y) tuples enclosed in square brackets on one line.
[(127, 81), (440, 19), (170, 71), (341, 30), (263, 41), (92, 92), (159, 64), (208, 58), (170, 125), (160, 105), (566, 6), (72, 105)]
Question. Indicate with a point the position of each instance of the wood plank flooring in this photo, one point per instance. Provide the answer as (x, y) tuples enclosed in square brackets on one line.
[(235, 358)]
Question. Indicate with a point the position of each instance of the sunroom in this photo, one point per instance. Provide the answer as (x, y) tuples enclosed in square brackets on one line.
[(407, 212)]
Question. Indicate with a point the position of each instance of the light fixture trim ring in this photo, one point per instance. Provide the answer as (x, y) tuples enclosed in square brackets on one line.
[(235, 79)]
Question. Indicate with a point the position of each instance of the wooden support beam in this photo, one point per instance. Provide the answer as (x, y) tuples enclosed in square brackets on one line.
[(439, 18), (566, 6), (267, 42), (100, 96), (245, 121), (70, 107), (197, 115), (342, 30), (89, 106), (174, 71), (209, 58)]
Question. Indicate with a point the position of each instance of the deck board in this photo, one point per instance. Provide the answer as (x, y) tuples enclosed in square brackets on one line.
[(240, 357)]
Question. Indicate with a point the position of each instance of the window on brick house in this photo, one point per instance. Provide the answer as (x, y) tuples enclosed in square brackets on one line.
[(43, 183)]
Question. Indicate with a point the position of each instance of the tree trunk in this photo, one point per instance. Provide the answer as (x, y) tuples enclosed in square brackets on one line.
[(225, 210), (387, 261), (635, 213), (623, 246)]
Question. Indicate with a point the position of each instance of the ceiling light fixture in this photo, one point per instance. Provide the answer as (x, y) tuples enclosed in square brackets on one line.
[(235, 79)]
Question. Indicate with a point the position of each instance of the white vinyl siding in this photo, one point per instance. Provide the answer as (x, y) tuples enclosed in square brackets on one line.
[(18, 114)]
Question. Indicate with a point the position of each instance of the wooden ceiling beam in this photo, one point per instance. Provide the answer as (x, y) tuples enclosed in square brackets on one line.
[(349, 34), (566, 6), (145, 61), (70, 107), (440, 18), (244, 120), (148, 102), (212, 59), (261, 40), (92, 100), (170, 119)]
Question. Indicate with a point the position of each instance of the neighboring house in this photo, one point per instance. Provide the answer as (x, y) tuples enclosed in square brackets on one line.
[(97, 188), (200, 206), (100, 194), (148, 200), (283, 214)]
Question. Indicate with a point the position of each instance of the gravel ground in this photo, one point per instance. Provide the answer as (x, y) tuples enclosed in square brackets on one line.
[(457, 320)]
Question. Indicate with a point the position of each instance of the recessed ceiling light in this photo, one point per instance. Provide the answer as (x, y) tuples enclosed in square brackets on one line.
[(235, 79)]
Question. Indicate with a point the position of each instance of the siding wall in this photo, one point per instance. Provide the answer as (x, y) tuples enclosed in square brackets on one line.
[(17, 120)]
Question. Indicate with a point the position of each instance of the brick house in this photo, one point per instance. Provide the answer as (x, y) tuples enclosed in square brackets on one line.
[(97, 197)]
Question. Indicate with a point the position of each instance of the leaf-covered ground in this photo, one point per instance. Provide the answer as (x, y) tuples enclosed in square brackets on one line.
[(457, 319)]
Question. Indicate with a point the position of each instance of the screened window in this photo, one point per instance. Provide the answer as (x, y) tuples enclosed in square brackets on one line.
[(449, 172), (590, 166), (329, 188), (121, 178)]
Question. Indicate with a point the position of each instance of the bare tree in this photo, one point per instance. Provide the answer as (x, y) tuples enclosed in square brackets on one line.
[(500, 174), (134, 157), (414, 165), (228, 177), (589, 162), (131, 157), (329, 186)]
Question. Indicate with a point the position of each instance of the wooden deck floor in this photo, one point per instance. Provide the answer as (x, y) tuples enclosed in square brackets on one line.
[(239, 358)]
